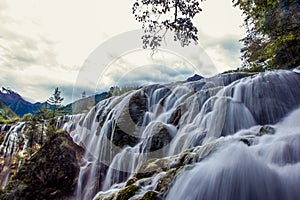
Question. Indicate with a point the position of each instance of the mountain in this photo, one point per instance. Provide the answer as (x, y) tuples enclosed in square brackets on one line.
[(16, 102), (21, 107)]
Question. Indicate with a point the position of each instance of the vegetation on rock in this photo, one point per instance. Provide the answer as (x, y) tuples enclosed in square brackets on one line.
[(49, 174)]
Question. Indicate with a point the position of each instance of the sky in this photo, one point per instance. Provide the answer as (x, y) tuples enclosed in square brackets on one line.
[(90, 45)]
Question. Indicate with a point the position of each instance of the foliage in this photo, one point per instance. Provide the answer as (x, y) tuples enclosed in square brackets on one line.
[(50, 173), (159, 16), (273, 28), (273, 33), (56, 99), (6, 114)]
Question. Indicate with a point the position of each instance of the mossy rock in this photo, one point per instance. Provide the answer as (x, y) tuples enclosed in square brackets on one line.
[(127, 192), (151, 167), (150, 195), (49, 174), (164, 183), (131, 181), (106, 196)]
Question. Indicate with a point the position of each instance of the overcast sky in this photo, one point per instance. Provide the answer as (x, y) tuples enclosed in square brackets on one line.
[(52, 43)]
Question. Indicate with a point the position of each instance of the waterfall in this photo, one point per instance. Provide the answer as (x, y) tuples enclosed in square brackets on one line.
[(121, 133), (11, 144), (267, 170)]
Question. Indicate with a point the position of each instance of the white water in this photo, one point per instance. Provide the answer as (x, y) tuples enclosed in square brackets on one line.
[(270, 169), (121, 133), (9, 147)]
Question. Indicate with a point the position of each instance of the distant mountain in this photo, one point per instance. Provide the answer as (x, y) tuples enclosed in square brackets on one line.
[(21, 107), (16, 102), (85, 104)]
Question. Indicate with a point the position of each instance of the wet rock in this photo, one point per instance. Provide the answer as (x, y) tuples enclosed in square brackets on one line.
[(266, 130), (150, 195), (129, 121), (246, 141), (164, 183), (131, 181), (127, 192), (138, 107), (152, 166), (122, 138), (160, 137), (175, 117)]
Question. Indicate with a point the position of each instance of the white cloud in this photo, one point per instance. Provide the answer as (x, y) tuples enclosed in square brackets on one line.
[(43, 44)]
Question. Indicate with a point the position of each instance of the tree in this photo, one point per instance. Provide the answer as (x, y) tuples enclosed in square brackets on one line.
[(273, 33), (159, 16), (56, 99), (273, 28)]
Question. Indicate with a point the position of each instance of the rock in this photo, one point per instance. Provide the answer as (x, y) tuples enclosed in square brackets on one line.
[(152, 166), (160, 137), (129, 121), (266, 130), (106, 197), (175, 117), (138, 107), (164, 183), (150, 195), (127, 192), (131, 181), (121, 138), (50, 173), (246, 141), (196, 77)]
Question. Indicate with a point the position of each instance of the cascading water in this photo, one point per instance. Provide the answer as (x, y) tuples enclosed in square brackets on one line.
[(121, 133), (268, 169), (10, 146)]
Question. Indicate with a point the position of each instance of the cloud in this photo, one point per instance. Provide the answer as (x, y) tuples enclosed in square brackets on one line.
[(42, 47), (224, 51), (20, 51)]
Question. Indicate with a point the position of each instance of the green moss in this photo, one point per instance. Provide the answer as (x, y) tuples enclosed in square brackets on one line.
[(105, 197), (127, 192), (164, 183), (131, 181), (152, 166), (150, 195)]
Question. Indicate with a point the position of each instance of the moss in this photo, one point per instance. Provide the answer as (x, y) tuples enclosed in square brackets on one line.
[(131, 181), (164, 183), (152, 166), (105, 197), (150, 195), (127, 192), (49, 174)]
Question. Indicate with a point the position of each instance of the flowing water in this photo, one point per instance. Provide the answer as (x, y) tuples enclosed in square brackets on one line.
[(121, 133), (11, 144), (268, 169)]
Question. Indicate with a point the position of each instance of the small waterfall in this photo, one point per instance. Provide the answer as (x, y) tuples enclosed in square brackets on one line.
[(121, 133), (11, 144)]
